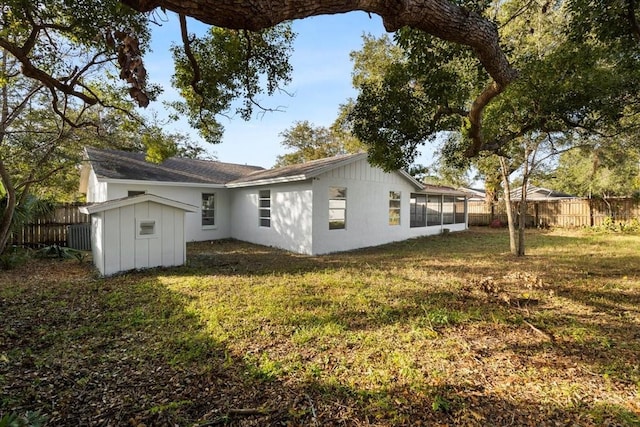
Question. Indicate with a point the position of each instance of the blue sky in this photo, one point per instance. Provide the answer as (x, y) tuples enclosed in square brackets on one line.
[(321, 81)]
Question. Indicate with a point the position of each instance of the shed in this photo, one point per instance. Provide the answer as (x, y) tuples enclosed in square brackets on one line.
[(137, 232)]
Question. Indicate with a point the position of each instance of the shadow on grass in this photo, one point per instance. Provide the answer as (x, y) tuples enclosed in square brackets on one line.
[(127, 351), (130, 351)]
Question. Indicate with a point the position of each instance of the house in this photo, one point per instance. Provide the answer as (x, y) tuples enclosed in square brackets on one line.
[(323, 206), (534, 194)]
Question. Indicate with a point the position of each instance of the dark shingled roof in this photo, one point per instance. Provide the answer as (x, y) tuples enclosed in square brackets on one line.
[(115, 164), (307, 170)]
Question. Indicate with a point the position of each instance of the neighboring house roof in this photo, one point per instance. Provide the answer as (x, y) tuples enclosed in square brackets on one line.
[(539, 193), (474, 193), (533, 193), (117, 165), (131, 200), (443, 189)]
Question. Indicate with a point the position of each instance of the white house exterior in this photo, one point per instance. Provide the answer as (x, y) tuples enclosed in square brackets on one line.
[(137, 232), (329, 205)]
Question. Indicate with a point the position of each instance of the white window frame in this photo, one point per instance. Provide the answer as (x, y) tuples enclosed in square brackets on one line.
[(395, 207), (264, 208), (207, 209), (337, 208)]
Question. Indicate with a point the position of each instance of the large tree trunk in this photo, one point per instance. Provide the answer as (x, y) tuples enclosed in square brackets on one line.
[(441, 18)]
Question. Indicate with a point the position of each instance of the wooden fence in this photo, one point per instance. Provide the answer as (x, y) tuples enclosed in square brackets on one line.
[(560, 212), (53, 229)]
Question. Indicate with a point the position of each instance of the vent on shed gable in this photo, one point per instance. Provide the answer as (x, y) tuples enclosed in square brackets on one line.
[(79, 236), (146, 228)]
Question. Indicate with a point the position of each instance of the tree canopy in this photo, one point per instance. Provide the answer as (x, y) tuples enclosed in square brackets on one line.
[(310, 142)]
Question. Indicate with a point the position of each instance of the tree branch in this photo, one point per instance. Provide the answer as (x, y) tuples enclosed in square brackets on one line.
[(441, 18), (195, 68), (31, 71)]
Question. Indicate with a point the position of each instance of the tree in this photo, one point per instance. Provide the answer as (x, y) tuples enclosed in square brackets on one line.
[(566, 88), (596, 171), (311, 142), (53, 54), (225, 67)]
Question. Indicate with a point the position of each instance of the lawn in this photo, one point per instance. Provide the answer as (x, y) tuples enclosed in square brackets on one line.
[(444, 330)]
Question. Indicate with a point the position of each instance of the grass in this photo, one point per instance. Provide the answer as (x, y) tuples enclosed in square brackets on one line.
[(445, 330)]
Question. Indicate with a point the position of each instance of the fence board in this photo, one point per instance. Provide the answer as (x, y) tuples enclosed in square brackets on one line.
[(51, 230), (560, 212)]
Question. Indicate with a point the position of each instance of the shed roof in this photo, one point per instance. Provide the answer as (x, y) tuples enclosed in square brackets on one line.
[(114, 164), (132, 200)]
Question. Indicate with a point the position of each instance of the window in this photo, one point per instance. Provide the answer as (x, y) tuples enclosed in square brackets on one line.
[(448, 209), (131, 193), (434, 210), (417, 210), (208, 209), (264, 208), (461, 209), (337, 208), (394, 208)]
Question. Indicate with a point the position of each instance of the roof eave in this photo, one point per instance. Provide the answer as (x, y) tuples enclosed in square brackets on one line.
[(159, 183), (268, 181)]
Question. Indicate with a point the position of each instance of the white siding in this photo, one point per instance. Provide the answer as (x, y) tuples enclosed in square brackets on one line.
[(367, 222), (192, 195), (291, 221), (118, 247), (97, 241), (96, 190)]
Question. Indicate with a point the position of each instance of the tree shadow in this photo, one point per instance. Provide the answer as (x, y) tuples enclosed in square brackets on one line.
[(129, 350)]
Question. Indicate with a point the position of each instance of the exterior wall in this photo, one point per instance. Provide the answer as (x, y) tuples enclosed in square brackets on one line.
[(192, 195), (117, 246), (97, 240), (96, 190), (367, 217), (291, 216)]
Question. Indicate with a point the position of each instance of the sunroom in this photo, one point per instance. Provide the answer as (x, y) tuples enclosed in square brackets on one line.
[(438, 206)]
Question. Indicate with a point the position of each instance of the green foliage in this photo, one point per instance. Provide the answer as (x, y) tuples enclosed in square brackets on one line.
[(311, 142), (13, 257), (57, 251), (604, 169), (567, 85), (232, 65), (402, 101), (29, 419), (610, 225)]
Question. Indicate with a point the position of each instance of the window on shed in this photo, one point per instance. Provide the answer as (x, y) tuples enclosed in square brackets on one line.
[(394, 208), (208, 209), (264, 208), (337, 208), (418, 210), (434, 209)]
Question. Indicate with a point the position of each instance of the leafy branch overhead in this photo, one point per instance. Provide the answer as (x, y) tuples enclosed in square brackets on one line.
[(62, 46), (441, 18), (215, 72), (577, 77)]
